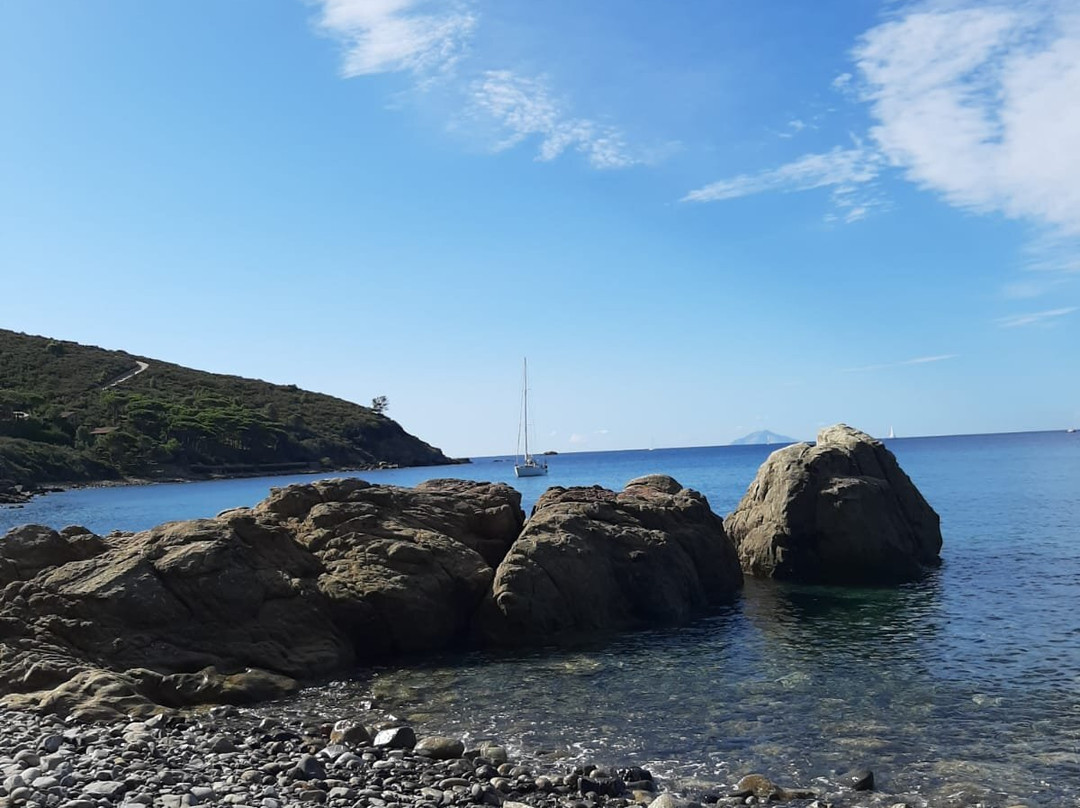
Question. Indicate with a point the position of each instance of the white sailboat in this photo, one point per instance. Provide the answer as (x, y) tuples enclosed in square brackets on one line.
[(891, 433), (529, 465)]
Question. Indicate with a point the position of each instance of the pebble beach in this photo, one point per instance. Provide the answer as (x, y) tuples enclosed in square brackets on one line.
[(253, 759)]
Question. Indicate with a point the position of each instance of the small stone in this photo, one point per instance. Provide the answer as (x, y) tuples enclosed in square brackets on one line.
[(308, 767), (496, 754), (858, 780), (603, 786), (27, 758), (52, 743), (350, 733), (756, 785), (396, 738), (109, 789), (220, 743), (450, 782), (440, 748), (668, 801)]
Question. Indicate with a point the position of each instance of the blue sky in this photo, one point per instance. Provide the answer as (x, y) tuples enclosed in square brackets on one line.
[(696, 219)]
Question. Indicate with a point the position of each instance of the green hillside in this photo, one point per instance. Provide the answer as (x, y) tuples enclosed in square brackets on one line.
[(64, 418)]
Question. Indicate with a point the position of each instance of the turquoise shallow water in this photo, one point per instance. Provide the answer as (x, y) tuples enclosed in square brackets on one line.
[(963, 686)]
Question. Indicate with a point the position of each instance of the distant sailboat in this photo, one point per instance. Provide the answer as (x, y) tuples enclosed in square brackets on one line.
[(529, 465), (891, 433)]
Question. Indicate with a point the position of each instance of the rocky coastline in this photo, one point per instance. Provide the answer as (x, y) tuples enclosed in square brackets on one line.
[(156, 668)]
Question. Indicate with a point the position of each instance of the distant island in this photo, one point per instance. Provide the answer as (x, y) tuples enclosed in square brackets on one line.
[(72, 413), (762, 437)]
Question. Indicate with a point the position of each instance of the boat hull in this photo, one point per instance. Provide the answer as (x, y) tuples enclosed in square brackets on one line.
[(530, 471)]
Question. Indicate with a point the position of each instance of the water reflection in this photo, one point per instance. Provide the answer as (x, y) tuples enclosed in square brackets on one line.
[(796, 681)]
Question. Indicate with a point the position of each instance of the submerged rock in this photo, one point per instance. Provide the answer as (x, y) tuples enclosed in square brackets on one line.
[(840, 511), (764, 789), (591, 559)]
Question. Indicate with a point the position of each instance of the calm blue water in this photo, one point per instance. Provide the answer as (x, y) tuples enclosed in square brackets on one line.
[(722, 473), (963, 687)]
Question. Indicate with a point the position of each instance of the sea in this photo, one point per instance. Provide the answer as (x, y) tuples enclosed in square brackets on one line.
[(961, 689)]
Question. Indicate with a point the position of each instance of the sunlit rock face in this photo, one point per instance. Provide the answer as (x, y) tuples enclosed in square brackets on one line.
[(839, 511), (591, 559)]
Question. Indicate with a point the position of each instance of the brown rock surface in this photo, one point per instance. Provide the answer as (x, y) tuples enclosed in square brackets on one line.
[(591, 559), (311, 580), (841, 511)]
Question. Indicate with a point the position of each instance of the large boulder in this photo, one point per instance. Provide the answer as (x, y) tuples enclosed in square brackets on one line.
[(591, 559), (313, 580), (838, 511), (406, 568)]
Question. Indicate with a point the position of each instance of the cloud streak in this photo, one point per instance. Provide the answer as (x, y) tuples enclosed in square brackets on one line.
[(921, 360), (841, 168), (849, 173), (1036, 318)]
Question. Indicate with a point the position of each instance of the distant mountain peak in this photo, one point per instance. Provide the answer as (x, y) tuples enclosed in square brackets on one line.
[(762, 437)]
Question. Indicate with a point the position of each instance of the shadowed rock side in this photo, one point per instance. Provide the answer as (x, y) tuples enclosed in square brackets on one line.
[(312, 580), (841, 511), (592, 559)]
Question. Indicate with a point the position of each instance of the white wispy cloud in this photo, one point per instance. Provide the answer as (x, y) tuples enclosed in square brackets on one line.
[(525, 107), (793, 128), (849, 173), (839, 168), (431, 40), (921, 360), (977, 102), (971, 100), (1035, 318), (381, 36)]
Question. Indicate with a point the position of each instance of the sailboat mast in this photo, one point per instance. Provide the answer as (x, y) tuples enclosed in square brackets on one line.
[(525, 396)]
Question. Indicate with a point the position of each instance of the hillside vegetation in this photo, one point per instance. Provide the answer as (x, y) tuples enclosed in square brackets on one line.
[(64, 418)]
